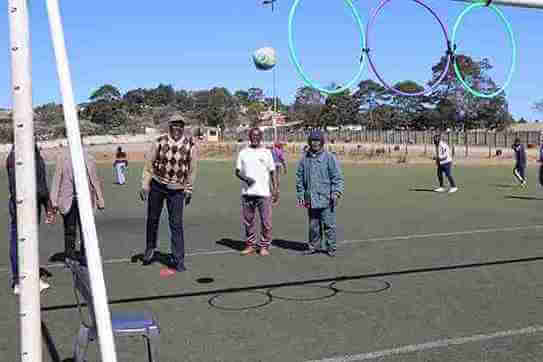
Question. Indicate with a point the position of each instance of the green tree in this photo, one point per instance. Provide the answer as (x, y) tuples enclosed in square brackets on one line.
[(255, 95), (106, 93), (408, 107), (340, 109), (307, 106), (242, 97), (471, 111)]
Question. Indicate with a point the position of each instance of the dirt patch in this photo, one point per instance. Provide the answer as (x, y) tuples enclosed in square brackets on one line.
[(370, 154)]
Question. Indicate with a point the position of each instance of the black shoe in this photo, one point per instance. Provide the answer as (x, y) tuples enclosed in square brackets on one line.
[(180, 268), (310, 251), (331, 253), (148, 256)]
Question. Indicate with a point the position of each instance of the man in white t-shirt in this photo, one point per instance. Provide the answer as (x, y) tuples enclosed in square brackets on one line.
[(444, 162), (256, 170)]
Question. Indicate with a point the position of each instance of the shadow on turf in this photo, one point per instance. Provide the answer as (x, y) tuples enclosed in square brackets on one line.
[(421, 190), (306, 282), (162, 258), (524, 198), (279, 243)]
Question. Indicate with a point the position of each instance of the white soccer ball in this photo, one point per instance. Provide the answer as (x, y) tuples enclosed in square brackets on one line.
[(264, 58)]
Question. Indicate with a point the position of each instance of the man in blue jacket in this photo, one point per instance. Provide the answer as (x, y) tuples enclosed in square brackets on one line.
[(319, 186), (520, 165)]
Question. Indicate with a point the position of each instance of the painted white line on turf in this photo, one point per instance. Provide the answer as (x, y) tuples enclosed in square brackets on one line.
[(436, 235), (412, 348), (373, 240)]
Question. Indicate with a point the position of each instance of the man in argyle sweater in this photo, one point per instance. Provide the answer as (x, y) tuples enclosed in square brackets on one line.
[(168, 174)]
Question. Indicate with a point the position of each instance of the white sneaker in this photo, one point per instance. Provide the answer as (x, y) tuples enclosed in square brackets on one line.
[(453, 190), (44, 285), (440, 189), (16, 289)]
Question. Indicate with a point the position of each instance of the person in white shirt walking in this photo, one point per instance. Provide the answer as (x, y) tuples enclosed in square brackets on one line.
[(256, 170), (444, 162)]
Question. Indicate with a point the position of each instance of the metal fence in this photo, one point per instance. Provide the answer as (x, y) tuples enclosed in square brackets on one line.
[(393, 137)]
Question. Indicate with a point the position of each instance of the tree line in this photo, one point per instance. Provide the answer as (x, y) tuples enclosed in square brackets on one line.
[(370, 106)]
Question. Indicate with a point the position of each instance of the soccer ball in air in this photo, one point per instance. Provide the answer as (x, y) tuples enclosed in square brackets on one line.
[(264, 58)]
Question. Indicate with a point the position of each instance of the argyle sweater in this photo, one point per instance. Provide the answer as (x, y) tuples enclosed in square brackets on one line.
[(172, 163)]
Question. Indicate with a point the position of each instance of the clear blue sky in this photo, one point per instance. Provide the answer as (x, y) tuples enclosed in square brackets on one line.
[(202, 44)]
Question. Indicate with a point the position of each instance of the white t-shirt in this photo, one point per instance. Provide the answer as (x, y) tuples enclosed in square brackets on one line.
[(444, 153), (256, 163)]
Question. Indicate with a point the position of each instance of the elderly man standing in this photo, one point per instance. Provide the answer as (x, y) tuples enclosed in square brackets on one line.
[(168, 174), (64, 198), (319, 186), (259, 190)]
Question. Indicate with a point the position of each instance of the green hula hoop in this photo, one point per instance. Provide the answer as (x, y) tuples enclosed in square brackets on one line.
[(513, 47), (294, 58)]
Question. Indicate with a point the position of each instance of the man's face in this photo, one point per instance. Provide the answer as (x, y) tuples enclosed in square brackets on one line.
[(176, 131), (255, 138), (315, 145)]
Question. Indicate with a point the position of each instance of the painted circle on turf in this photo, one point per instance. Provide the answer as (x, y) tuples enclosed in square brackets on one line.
[(294, 57), (509, 29), (360, 286), (374, 68), (302, 293), (240, 301)]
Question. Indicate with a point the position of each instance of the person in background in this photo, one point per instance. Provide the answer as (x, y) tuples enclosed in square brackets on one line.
[(519, 171), (259, 190), (319, 186), (444, 164), (279, 160), (64, 199), (168, 174), (42, 201), (120, 165)]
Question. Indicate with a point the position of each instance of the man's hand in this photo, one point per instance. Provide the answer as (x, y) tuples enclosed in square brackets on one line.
[(188, 199), (51, 216), (334, 200), (143, 195), (300, 203), (250, 182), (275, 197)]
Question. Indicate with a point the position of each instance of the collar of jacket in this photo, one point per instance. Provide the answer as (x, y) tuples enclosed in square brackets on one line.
[(315, 154)]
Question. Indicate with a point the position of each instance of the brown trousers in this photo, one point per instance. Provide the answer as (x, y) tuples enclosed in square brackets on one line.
[(249, 206)]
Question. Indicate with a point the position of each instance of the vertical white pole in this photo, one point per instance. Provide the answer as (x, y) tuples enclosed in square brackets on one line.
[(94, 259), (25, 174), (274, 121)]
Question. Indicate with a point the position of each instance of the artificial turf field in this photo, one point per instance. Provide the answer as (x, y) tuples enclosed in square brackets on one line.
[(419, 276)]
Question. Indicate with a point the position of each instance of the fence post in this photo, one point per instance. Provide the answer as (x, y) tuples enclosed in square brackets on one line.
[(466, 142), (489, 145)]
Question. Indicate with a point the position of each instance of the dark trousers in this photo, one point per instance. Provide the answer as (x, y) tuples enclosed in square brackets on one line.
[(13, 253), (322, 228), (175, 201), (445, 169), (72, 222), (519, 171), (541, 175)]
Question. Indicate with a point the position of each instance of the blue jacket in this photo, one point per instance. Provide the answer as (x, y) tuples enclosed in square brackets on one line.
[(520, 154), (318, 176)]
